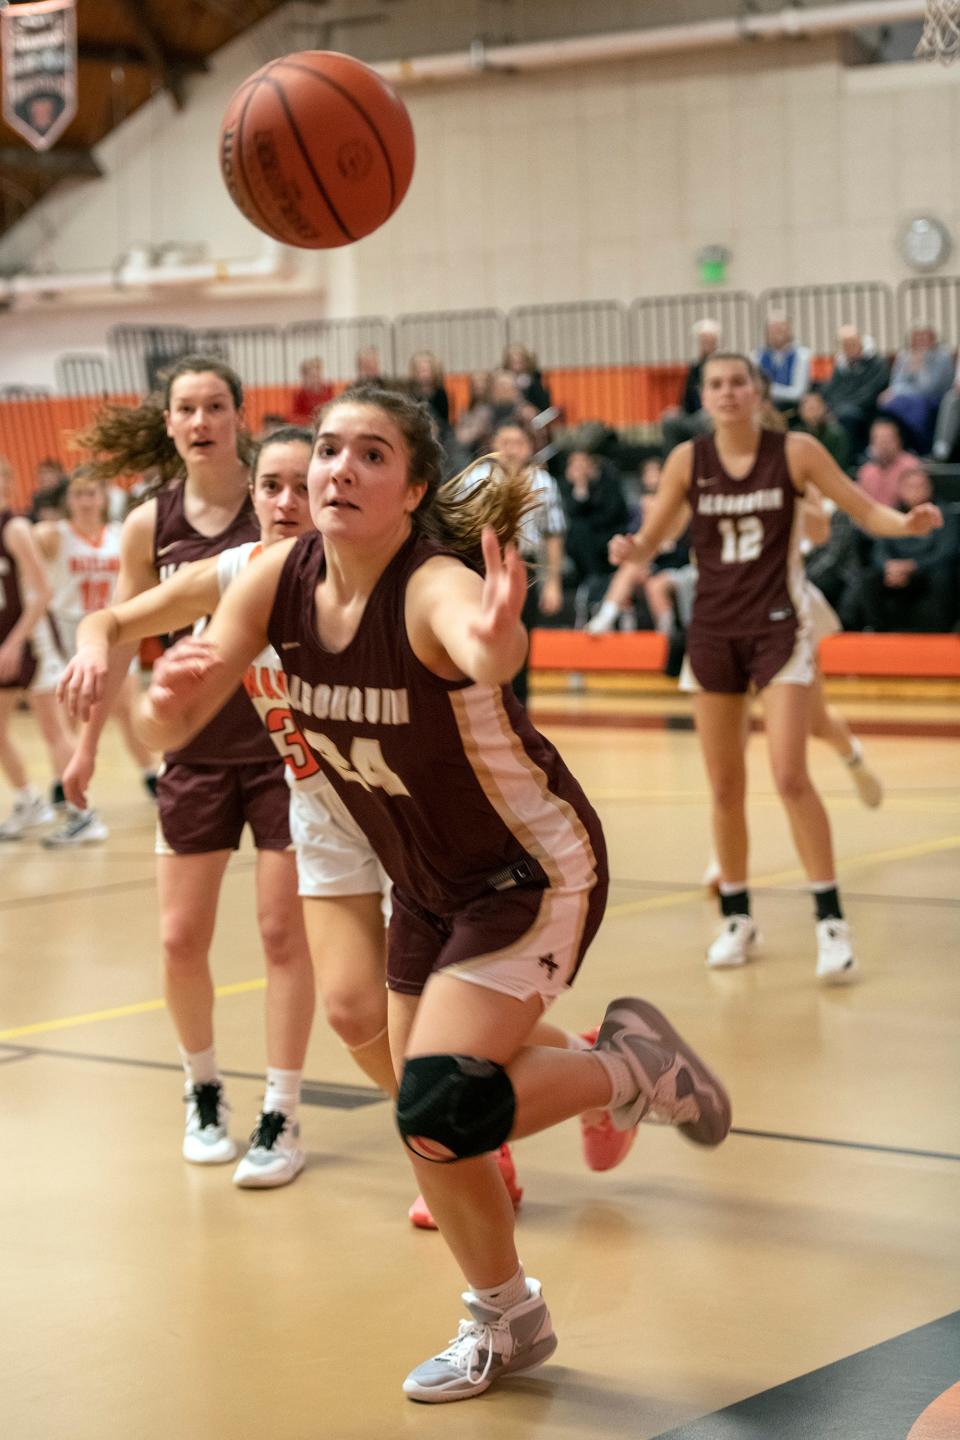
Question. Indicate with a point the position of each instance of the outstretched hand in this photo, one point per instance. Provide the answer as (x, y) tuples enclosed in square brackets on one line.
[(81, 685), (622, 548), (179, 674), (922, 519), (504, 591)]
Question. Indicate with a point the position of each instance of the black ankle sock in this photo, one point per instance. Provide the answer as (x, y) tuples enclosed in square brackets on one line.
[(828, 904), (736, 904), (57, 796)]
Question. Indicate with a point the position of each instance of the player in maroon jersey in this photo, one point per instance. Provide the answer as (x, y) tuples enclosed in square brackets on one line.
[(230, 774), (398, 657), (29, 663), (751, 630)]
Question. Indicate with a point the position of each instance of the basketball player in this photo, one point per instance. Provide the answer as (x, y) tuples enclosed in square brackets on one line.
[(751, 630), (341, 883), (398, 658), (29, 662), (228, 776), (82, 554)]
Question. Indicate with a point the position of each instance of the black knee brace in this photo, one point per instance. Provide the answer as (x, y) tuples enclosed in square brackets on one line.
[(451, 1107)]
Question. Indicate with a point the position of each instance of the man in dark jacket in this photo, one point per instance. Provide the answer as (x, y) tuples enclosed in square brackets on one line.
[(596, 510), (688, 419), (859, 376), (911, 582)]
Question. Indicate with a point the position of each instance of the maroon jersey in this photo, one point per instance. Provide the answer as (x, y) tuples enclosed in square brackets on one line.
[(11, 601), (235, 735), (745, 534), (456, 791)]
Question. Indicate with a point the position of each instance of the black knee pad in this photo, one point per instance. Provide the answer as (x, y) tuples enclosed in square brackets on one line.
[(451, 1107)]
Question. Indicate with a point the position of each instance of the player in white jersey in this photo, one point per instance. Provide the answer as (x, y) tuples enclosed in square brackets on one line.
[(82, 554)]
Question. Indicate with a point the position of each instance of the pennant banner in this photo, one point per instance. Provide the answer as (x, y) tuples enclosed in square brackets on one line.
[(39, 43)]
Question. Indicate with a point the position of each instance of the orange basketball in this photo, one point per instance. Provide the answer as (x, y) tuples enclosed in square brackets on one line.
[(316, 150)]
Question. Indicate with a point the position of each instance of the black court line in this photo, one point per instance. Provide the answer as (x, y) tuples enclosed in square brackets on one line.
[(10, 1059), (110, 887), (845, 1144), (678, 887), (315, 1092), (353, 1097)]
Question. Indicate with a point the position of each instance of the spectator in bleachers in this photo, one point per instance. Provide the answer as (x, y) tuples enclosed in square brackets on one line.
[(921, 376), (522, 364), (50, 474), (815, 418), (596, 510), (859, 376), (368, 366), (49, 503), (505, 397), (910, 584), (886, 461), (837, 566), (271, 421), (688, 419), (313, 392), (474, 428), (426, 385), (785, 363), (947, 431)]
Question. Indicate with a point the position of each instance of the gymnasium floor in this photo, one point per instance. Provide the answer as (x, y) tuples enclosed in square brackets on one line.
[(804, 1280)]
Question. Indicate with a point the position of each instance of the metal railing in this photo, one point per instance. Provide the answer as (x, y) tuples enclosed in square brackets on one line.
[(662, 325), (816, 313)]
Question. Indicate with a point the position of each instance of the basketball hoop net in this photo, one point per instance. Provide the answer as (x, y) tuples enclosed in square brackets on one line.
[(941, 32)]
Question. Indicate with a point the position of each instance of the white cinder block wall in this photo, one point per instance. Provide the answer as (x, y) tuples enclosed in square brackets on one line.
[(595, 182)]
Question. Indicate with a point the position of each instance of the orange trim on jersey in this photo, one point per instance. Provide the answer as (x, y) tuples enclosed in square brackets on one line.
[(94, 544)]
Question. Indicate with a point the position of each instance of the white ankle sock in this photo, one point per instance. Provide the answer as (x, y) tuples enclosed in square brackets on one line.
[(502, 1297), (608, 613), (577, 1042), (623, 1087), (200, 1066), (283, 1091)]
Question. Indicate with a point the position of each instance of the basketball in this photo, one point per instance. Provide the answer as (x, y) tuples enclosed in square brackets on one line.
[(316, 149)]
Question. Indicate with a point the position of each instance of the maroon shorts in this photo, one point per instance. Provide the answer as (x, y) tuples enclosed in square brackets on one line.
[(420, 943), (205, 807), (26, 672), (731, 665)]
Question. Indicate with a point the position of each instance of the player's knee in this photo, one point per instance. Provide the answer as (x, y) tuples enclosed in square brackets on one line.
[(792, 782), (354, 1015), (452, 1107), (183, 957)]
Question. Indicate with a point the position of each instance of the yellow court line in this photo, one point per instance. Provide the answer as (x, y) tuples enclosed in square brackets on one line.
[(784, 877), (630, 907), (70, 1022)]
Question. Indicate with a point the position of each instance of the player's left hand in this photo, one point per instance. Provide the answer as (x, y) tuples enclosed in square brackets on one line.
[(178, 675), (504, 591), (922, 519)]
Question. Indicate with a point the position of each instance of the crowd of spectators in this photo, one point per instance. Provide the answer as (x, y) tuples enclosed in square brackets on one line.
[(883, 420)]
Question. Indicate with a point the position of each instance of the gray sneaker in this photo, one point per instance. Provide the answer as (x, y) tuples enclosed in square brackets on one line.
[(486, 1348), (675, 1087), (81, 827)]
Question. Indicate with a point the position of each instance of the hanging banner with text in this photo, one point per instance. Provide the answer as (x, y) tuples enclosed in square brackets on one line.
[(39, 43)]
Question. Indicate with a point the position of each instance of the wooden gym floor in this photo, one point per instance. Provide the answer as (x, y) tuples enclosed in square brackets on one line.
[(804, 1280)]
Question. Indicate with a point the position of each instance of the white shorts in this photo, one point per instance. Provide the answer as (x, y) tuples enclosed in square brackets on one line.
[(824, 620), (334, 857), (50, 660)]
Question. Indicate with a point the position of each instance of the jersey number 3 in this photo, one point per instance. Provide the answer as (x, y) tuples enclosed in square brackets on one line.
[(742, 539)]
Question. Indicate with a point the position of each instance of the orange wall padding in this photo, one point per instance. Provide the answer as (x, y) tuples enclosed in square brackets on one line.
[(903, 656), (618, 395)]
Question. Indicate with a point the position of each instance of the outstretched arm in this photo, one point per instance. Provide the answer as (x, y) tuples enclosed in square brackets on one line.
[(811, 464), (197, 677), (668, 505)]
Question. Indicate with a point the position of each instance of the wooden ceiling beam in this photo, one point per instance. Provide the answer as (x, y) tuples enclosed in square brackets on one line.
[(103, 53), (158, 57), (55, 164)]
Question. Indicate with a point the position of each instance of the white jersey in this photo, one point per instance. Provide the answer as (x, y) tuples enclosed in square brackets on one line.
[(334, 857), (83, 577)]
